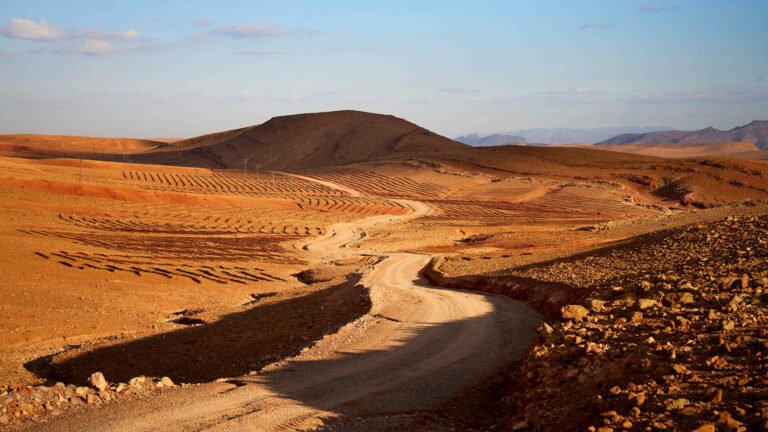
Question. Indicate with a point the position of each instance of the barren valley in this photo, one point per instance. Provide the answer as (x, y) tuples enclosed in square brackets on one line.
[(348, 270)]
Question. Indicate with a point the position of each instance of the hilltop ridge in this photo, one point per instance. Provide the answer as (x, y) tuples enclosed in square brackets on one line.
[(306, 141), (755, 132)]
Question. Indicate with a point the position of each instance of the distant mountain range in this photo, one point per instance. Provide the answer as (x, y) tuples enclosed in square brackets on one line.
[(755, 132), (491, 140), (554, 136)]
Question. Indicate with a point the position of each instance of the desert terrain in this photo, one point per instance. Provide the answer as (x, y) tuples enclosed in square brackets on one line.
[(348, 270)]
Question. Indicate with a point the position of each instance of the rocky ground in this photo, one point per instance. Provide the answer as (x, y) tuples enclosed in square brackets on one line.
[(264, 340), (23, 405), (672, 335)]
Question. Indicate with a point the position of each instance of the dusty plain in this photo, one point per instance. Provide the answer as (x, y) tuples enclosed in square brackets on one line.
[(170, 260)]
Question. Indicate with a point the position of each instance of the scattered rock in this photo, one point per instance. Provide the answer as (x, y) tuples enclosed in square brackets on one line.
[(728, 422), (574, 312), (521, 426), (686, 298), (597, 305), (137, 381), (681, 340), (97, 381)]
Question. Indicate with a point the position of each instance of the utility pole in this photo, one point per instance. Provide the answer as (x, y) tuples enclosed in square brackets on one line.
[(81, 169), (257, 171), (245, 163), (273, 178)]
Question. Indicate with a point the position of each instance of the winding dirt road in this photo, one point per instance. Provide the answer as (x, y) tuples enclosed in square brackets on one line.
[(419, 346)]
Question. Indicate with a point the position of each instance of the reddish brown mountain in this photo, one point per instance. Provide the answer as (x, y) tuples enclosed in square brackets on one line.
[(32, 146), (306, 141)]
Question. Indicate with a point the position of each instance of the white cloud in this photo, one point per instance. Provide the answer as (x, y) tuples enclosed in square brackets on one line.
[(20, 28), (250, 31), (594, 25), (92, 47)]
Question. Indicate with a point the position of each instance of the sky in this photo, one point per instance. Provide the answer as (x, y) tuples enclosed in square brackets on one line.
[(181, 68)]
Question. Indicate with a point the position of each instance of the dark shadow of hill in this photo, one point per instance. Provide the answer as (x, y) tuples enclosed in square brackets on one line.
[(232, 346), (382, 388)]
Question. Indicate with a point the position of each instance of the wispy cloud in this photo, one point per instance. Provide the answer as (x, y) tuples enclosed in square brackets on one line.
[(21, 28), (101, 34), (203, 22), (647, 8), (91, 47), (100, 47), (595, 25), (727, 96), (578, 91), (458, 90), (261, 52), (250, 31)]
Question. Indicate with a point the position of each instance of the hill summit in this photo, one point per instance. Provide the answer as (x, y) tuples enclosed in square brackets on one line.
[(306, 141)]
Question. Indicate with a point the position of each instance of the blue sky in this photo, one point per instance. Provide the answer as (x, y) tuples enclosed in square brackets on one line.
[(188, 67)]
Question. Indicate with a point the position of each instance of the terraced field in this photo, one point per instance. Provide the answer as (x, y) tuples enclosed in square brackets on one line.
[(231, 182), (374, 184), (207, 225), (354, 205), (582, 200), (305, 193), (141, 265), (183, 247), (562, 209)]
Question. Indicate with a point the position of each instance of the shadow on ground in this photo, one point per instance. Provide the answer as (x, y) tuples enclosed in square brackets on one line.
[(426, 366), (232, 346), (386, 388)]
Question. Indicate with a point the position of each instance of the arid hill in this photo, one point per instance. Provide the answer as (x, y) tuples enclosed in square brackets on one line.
[(352, 139), (306, 141), (755, 132), (42, 146), (322, 141)]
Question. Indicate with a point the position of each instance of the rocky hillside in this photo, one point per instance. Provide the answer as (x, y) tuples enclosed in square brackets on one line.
[(673, 337), (670, 332)]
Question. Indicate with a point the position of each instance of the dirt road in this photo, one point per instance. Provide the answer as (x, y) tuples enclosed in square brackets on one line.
[(418, 347)]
